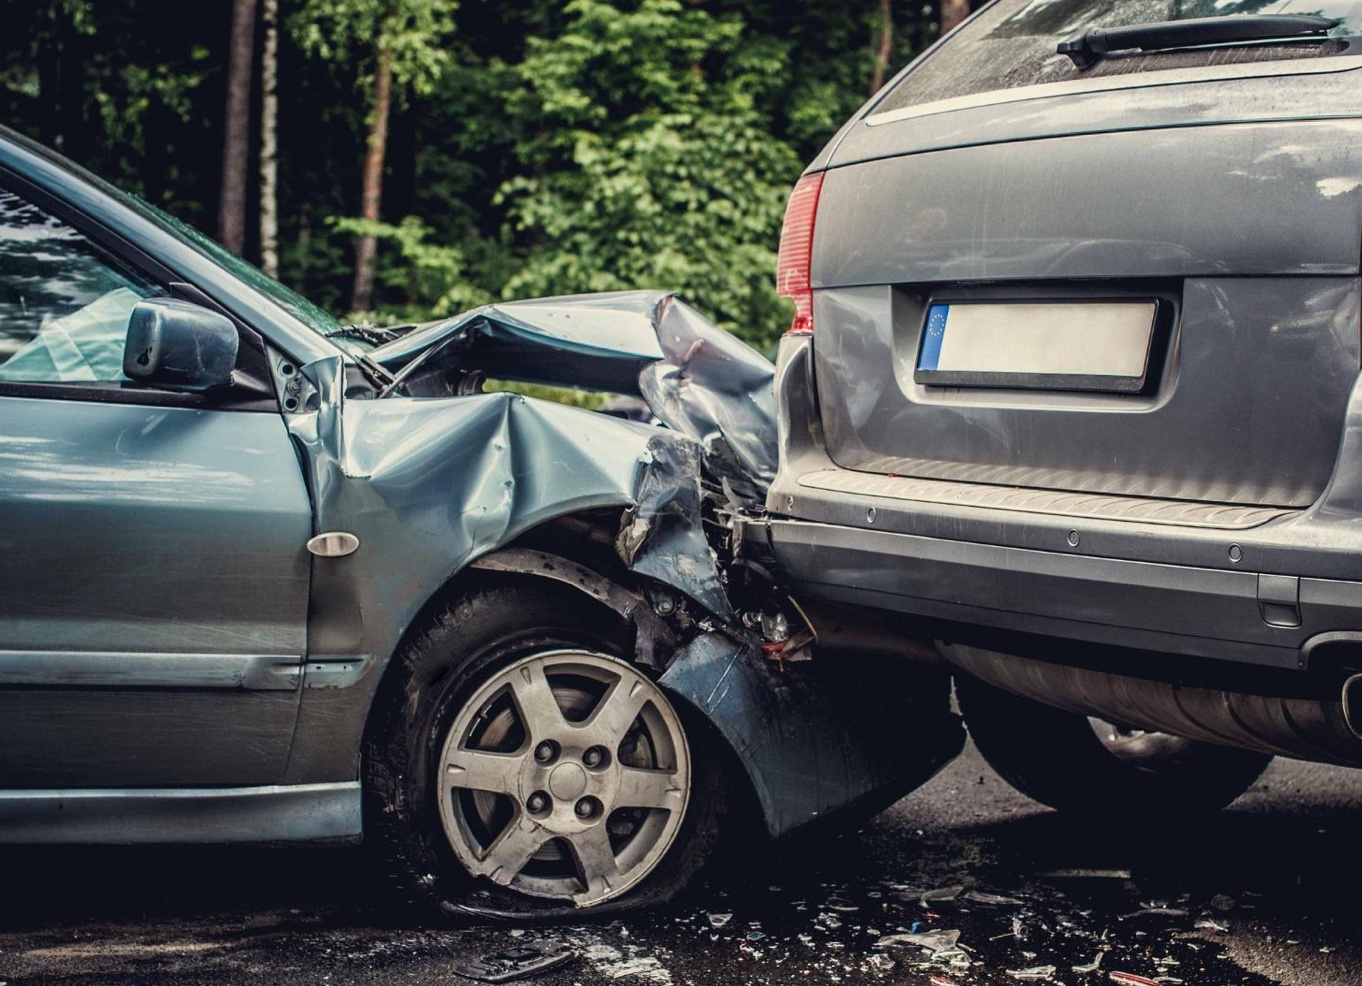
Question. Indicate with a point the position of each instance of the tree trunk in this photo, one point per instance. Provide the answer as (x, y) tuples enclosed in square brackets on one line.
[(953, 12), (269, 141), (366, 247), (885, 47), (236, 129)]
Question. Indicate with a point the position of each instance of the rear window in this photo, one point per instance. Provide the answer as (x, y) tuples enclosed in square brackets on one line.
[(1011, 43)]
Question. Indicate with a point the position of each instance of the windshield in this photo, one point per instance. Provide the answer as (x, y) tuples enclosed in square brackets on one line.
[(1011, 43)]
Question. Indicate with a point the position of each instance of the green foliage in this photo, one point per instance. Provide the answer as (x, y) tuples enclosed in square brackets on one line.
[(411, 32), (433, 276), (649, 162)]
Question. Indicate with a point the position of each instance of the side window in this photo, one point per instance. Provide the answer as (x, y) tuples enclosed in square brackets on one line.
[(64, 303)]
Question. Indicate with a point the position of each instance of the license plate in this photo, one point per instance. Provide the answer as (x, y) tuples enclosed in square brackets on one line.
[(1092, 346)]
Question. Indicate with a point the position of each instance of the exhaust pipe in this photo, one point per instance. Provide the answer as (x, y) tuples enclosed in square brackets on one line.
[(1323, 728), (1352, 704)]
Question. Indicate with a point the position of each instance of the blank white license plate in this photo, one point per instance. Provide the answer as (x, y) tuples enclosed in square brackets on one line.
[(1038, 345)]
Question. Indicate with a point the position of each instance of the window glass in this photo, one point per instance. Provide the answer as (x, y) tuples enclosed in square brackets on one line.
[(64, 304), (1012, 43)]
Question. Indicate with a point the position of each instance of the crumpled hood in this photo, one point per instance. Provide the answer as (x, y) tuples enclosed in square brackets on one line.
[(696, 378)]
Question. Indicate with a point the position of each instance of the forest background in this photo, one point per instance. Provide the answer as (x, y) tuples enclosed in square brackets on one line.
[(400, 160)]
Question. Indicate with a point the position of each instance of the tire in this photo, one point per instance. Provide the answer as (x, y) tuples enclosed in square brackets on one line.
[(569, 780), (1059, 759)]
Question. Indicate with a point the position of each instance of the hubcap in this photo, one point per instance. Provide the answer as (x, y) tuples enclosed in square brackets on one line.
[(590, 820)]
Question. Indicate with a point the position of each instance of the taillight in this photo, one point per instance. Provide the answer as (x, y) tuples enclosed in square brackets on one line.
[(793, 274)]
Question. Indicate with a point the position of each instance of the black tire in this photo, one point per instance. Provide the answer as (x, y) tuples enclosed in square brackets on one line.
[(451, 664), (1058, 758)]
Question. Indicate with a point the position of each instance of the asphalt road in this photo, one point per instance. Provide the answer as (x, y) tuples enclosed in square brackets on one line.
[(1265, 892)]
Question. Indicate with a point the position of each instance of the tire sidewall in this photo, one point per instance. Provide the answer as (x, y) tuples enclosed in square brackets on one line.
[(474, 638)]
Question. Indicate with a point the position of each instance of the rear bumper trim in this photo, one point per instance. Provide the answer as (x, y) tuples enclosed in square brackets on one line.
[(1171, 609)]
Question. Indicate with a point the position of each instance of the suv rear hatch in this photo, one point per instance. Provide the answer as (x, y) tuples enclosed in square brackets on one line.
[(1138, 280)]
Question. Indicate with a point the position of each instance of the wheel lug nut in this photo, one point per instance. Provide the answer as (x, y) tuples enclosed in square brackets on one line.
[(594, 757), (537, 802), (546, 751), (585, 808)]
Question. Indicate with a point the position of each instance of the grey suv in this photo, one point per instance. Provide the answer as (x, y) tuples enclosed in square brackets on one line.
[(1072, 388)]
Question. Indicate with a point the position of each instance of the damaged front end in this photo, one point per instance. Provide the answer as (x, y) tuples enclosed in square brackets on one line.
[(443, 482)]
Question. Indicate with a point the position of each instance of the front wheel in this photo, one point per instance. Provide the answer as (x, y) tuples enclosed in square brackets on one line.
[(520, 766), (1085, 766)]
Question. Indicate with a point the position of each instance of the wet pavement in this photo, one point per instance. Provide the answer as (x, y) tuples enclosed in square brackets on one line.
[(1262, 893)]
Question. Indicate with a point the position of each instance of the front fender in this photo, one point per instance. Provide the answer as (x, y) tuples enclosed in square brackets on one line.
[(820, 737)]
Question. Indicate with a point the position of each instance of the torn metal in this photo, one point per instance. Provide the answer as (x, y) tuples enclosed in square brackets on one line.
[(435, 477), (696, 379)]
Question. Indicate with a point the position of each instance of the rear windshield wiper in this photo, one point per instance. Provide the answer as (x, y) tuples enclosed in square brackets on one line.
[(1088, 49)]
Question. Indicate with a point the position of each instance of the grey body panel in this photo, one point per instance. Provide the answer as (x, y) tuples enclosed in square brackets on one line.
[(1233, 225), (105, 669), (1270, 198), (173, 537), (791, 729), (1249, 407), (278, 813)]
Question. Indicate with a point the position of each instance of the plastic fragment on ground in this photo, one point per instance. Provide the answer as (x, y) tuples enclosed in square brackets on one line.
[(1091, 966), (646, 966), (517, 962), (941, 893), (939, 981), (932, 941), (1171, 912), (1131, 979), (719, 920), (979, 897), (1033, 973), (880, 962)]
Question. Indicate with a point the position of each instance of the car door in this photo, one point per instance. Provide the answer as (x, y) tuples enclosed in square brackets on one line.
[(153, 569)]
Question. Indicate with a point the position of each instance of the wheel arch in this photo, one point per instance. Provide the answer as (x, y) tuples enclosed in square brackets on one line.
[(576, 551)]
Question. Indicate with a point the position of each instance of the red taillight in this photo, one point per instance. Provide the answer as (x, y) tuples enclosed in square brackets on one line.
[(793, 275)]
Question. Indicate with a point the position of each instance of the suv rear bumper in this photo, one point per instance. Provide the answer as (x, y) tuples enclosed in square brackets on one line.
[(1170, 609), (1265, 593)]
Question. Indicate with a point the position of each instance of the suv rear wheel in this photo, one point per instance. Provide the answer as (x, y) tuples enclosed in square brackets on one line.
[(1081, 765)]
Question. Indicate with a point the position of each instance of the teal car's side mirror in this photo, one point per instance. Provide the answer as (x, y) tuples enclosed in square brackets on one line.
[(179, 346)]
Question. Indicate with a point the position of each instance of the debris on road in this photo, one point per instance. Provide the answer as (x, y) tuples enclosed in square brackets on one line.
[(1172, 912), (932, 941), (718, 920), (1208, 924), (1034, 972), (880, 962), (1130, 979), (1091, 966), (979, 897), (517, 962)]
